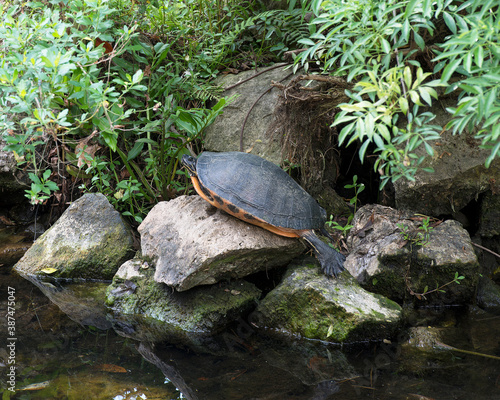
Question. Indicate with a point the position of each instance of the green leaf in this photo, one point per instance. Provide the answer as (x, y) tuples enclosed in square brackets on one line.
[(306, 41), (450, 22), (478, 56), (407, 77), (450, 69), (425, 94), (429, 149), (409, 8), (135, 151), (346, 130), (419, 40), (494, 151), (403, 104), (386, 47), (362, 150)]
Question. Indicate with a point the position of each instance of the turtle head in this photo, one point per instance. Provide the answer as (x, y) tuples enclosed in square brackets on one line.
[(190, 163)]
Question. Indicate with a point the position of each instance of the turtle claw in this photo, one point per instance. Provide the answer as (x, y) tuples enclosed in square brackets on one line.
[(333, 270), (334, 266)]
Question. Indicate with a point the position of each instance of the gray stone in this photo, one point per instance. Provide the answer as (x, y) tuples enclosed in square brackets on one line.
[(459, 177), (193, 243), (89, 241), (386, 260), (309, 304), (224, 134)]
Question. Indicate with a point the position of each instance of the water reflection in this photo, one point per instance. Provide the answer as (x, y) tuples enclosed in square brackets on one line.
[(96, 354)]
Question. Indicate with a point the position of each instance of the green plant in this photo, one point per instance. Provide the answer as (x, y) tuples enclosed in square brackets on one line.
[(474, 52), (439, 288), (41, 187), (389, 49), (50, 80), (418, 237), (372, 119), (358, 188), (98, 102)]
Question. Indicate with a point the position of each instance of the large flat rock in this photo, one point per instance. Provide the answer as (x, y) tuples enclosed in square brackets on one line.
[(193, 243)]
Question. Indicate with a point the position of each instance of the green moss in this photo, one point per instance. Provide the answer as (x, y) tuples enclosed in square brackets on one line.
[(201, 309), (309, 304)]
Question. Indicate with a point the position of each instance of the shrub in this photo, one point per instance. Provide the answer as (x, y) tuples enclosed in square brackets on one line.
[(386, 47), (88, 100)]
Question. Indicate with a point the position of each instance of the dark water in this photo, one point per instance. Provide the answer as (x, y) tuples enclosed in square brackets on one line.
[(76, 350)]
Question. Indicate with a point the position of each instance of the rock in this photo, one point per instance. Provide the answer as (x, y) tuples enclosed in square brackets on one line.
[(199, 310), (489, 220), (224, 134), (309, 361), (488, 295), (193, 243), (386, 260), (309, 304), (89, 241), (459, 177), (426, 339)]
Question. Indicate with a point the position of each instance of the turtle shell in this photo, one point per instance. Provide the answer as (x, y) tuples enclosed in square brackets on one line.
[(260, 188)]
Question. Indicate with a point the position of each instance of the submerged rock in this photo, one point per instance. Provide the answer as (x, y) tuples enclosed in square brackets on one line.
[(391, 255), (309, 304), (193, 243), (90, 241), (199, 310)]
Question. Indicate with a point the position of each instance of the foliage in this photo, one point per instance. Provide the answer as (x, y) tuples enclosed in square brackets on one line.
[(421, 236), (439, 288), (95, 103), (358, 188), (386, 47)]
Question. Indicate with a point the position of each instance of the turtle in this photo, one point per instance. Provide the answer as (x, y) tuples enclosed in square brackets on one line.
[(261, 193)]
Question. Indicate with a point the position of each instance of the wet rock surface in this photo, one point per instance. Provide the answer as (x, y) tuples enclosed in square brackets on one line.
[(193, 243), (89, 241)]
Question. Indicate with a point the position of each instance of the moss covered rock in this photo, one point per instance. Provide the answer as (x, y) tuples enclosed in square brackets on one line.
[(89, 241), (206, 309), (309, 304)]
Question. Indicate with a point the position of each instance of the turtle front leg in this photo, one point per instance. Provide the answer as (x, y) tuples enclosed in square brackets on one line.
[(332, 262)]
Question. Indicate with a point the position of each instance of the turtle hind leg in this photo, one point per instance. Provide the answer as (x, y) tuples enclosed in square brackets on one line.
[(332, 262)]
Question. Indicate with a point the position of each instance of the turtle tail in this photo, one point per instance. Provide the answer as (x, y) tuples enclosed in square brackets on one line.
[(332, 262)]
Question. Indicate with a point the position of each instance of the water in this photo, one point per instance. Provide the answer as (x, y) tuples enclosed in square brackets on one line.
[(86, 353)]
